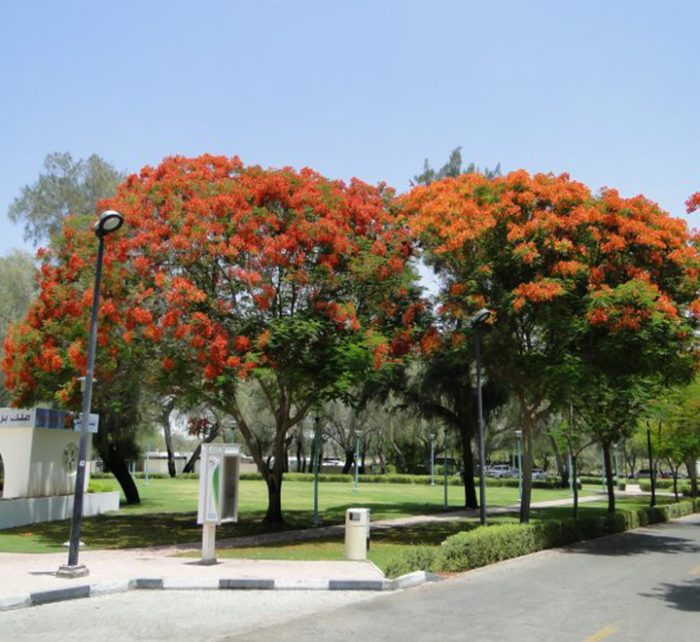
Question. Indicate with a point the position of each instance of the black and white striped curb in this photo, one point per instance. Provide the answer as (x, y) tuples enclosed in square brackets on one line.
[(236, 584)]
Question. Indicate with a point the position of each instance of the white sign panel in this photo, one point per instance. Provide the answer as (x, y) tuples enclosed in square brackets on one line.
[(218, 483)]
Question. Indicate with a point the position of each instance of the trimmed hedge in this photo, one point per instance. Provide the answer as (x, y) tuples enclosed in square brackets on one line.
[(486, 545), (660, 484), (389, 478)]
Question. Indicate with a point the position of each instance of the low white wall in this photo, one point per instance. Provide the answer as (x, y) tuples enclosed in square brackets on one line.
[(32, 510), (33, 461)]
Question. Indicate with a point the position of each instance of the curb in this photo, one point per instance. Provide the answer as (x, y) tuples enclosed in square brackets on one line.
[(409, 580)]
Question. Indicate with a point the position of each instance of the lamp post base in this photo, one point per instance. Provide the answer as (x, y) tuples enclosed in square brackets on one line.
[(70, 571)]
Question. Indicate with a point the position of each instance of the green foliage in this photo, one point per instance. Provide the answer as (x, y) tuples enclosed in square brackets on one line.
[(66, 187), (417, 558), (453, 167), (490, 544)]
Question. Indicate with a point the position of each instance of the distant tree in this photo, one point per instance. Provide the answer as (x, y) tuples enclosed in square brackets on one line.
[(441, 388), (452, 168), (676, 437), (65, 187)]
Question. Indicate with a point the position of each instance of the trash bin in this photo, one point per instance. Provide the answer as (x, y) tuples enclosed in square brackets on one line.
[(356, 533)]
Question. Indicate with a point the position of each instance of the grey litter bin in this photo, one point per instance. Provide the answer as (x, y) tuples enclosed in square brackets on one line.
[(356, 533)]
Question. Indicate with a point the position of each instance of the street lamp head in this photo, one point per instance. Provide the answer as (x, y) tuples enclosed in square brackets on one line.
[(109, 221), (480, 318)]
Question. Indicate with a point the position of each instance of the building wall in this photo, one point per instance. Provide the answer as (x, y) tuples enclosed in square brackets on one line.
[(34, 462)]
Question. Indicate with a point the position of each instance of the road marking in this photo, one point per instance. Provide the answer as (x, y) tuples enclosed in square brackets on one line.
[(695, 570), (602, 634)]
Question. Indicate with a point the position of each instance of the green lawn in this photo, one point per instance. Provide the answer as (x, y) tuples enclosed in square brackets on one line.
[(388, 544), (167, 513)]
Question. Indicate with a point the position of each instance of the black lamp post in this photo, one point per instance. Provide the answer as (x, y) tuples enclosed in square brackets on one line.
[(316, 460), (109, 221), (476, 323)]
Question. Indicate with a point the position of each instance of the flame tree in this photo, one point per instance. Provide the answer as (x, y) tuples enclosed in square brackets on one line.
[(582, 287), (225, 274)]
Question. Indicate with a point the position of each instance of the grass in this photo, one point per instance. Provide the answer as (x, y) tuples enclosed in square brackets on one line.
[(388, 544), (167, 513)]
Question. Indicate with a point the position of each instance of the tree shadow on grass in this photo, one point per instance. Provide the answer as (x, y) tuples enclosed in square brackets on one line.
[(684, 597), (138, 531), (128, 529)]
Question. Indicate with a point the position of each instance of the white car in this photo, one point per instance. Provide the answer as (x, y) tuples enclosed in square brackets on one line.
[(500, 471), (538, 473)]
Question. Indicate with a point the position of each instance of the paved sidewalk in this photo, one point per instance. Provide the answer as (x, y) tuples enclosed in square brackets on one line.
[(27, 579)]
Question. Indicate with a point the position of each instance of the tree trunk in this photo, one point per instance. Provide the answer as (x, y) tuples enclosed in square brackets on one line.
[(274, 497), (169, 445), (528, 426), (470, 499), (349, 461), (273, 477), (674, 468), (574, 486), (562, 468), (691, 466), (301, 467), (116, 464), (189, 466), (382, 462), (652, 475), (609, 477)]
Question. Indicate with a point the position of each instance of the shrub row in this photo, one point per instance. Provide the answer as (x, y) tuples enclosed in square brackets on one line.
[(486, 545), (139, 475), (390, 478), (661, 484), (666, 485)]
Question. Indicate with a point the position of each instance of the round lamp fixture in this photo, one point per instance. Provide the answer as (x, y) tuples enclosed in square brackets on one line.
[(480, 317), (109, 221)]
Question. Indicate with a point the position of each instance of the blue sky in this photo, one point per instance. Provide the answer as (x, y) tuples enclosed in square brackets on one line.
[(605, 91)]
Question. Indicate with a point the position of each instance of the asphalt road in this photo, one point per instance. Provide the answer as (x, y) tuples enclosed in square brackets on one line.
[(643, 585)]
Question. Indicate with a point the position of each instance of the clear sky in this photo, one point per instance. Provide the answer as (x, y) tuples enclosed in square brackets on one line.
[(608, 92)]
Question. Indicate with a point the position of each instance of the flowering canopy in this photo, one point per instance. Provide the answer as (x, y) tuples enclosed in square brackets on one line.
[(218, 265), (575, 282), (529, 244)]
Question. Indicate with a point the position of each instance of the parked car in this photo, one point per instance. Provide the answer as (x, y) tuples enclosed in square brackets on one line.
[(645, 472), (500, 471), (538, 473)]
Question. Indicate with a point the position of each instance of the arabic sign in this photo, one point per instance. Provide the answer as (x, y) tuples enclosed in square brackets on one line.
[(16, 418), (48, 418)]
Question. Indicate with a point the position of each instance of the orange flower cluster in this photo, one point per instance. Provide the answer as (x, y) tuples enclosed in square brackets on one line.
[(214, 256), (546, 236)]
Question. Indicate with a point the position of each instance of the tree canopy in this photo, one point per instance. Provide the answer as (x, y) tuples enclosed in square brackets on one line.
[(66, 187), (225, 273), (571, 279)]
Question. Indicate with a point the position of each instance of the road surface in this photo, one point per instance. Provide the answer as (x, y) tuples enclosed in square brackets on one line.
[(643, 585)]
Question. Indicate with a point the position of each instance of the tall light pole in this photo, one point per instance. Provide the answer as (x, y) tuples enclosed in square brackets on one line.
[(444, 466), (518, 437), (358, 436), (476, 323), (432, 459), (317, 465), (652, 475), (109, 221)]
